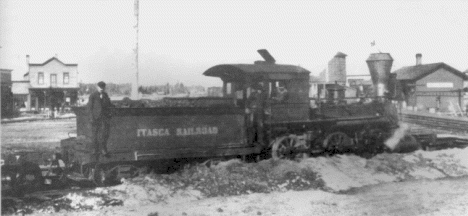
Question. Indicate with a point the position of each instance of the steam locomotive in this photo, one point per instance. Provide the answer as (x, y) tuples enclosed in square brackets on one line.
[(250, 121)]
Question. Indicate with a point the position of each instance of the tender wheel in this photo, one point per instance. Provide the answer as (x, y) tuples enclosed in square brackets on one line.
[(9, 175), (284, 147), (94, 174), (29, 177), (101, 177), (337, 142), (55, 172)]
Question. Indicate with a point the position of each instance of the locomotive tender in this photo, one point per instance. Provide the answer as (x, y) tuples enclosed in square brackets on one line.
[(247, 122)]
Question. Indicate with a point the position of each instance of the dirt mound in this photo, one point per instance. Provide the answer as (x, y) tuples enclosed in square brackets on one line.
[(336, 174), (232, 177)]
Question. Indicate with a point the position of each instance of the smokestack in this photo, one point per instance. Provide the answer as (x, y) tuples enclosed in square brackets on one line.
[(418, 59), (380, 65)]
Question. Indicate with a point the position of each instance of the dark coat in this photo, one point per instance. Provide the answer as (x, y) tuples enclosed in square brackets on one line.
[(99, 108)]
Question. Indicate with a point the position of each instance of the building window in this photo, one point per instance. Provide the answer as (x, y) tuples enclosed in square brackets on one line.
[(53, 79), (40, 78), (66, 78), (228, 88)]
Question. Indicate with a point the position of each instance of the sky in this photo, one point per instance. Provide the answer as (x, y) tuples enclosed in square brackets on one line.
[(179, 40)]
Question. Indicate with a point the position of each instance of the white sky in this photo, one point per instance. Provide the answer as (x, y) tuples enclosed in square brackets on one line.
[(179, 40)]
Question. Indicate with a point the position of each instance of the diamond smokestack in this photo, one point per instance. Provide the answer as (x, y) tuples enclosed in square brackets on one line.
[(380, 65)]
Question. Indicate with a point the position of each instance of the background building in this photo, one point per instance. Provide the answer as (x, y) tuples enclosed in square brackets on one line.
[(362, 84), (331, 82), (7, 95), (336, 72), (436, 85), (314, 83), (215, 91), (47, 85)]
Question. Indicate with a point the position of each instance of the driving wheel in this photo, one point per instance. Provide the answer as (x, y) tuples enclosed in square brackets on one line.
[(337, 142), (286, 147)]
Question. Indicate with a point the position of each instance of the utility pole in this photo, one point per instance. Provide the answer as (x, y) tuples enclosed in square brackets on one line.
[(135, 82)]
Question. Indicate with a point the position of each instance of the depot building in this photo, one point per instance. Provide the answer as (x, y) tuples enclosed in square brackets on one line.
[(435, 86)]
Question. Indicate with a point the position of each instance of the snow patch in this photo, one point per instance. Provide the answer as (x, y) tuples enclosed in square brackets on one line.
[(78, 201), (335, 174), (318, 175)]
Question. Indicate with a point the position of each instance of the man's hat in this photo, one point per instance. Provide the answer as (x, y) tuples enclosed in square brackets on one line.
[(101, 84)]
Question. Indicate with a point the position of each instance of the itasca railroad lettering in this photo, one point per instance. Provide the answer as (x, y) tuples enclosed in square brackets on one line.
[(153, 132), (178, 132), (196, 131)]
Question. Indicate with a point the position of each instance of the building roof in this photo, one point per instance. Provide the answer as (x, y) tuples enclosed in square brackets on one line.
[(417, 72), (46, 62), (6, 70), (273, 71), (340, 55)]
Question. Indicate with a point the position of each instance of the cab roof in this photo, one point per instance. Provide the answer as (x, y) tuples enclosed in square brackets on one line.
[(262, 70)]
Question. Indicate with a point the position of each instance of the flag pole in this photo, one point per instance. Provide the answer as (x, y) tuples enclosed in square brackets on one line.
[(135, 95)]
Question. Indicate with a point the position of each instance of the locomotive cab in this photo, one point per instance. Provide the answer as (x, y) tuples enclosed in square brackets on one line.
[(283, 88), (268, 92)]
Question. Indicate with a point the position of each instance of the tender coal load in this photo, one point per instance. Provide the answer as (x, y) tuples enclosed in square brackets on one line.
[(175, 102)]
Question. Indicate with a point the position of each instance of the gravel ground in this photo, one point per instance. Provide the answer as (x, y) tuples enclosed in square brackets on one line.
[(44, 134)]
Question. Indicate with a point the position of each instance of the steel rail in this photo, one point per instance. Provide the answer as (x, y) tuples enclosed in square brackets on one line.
[(435, 122)]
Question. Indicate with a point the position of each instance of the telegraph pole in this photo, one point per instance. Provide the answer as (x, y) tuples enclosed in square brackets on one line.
[(135, 81)]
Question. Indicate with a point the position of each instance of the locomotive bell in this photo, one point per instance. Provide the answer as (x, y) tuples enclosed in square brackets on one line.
[(380, 65)]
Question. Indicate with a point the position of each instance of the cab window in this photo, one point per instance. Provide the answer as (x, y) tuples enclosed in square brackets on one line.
[(228, 88)]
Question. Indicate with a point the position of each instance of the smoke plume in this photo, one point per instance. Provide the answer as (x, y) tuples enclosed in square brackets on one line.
[(393, 141)]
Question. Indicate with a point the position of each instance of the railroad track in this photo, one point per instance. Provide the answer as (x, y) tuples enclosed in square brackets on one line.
[(447, 132), (459, 126)]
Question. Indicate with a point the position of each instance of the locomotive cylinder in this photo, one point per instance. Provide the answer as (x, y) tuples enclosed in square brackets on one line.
[(380, 65)]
